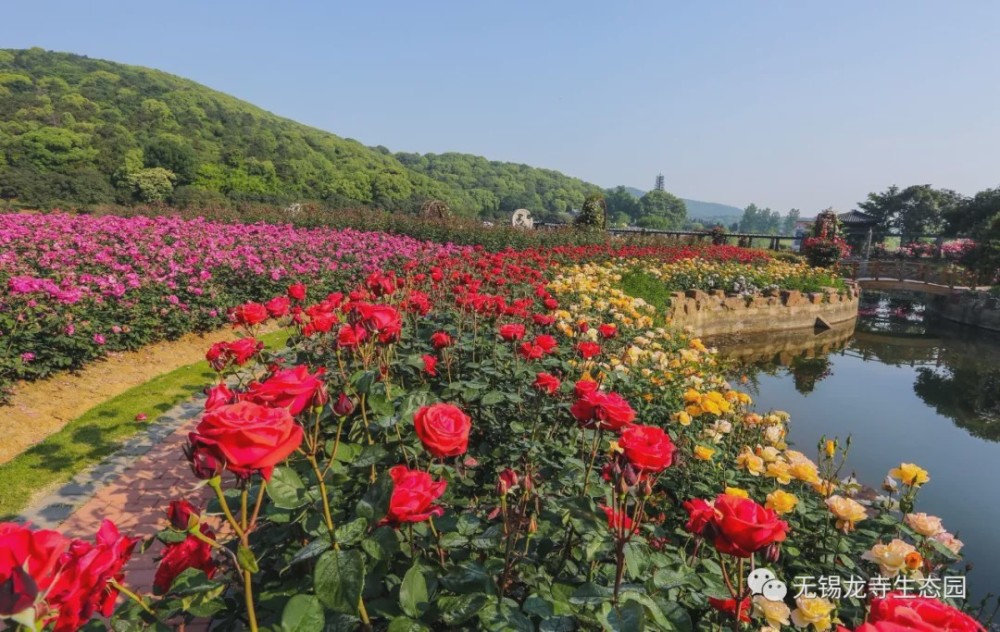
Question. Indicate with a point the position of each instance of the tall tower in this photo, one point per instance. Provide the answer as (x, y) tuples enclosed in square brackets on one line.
[(659, 182)]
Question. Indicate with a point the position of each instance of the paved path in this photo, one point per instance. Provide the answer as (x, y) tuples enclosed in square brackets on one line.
[(132, 488)]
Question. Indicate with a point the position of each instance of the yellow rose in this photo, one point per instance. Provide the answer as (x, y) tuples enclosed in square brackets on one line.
[(847, 511), (736, 491), (830, 448), (683, 418), (924, 524), (805, 472), (910, 474), (703, 453), (750, 461), (814, 611), (776, 612), (781, 501), (891, 558), (770, 454), (779, 471)]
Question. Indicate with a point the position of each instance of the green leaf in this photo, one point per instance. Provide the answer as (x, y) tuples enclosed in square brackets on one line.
[(363, 380), (491, 398), (352, 532), (338, 580), (404, 624), (286, 489), (302, 613), (311, 550), (557, 624), (590, 594), (246, 558), (628, 617), (413, 594), (457, 610), (375, 503), (191, 581), (470, 577), (369, 456)]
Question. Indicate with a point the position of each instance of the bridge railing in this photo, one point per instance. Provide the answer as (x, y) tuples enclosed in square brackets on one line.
[(915, 271)]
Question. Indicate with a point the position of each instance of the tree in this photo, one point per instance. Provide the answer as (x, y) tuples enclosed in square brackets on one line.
[(153, 184), (593, 213), (788, 226), (916, 210), (621, 202), (659, 209)]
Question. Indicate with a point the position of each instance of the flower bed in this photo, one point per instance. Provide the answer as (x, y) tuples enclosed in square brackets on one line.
[(75, 287), (463, 445)]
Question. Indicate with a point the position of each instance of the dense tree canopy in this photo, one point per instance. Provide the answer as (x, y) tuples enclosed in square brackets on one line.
[(761, 221), (661, 210), (78, 131), (916, 210)]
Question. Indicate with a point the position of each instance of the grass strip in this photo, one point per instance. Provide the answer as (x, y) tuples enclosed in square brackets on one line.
[(100, 431)]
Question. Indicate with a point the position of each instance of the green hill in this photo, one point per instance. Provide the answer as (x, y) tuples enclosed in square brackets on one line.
[(80, 131), (697, 209)]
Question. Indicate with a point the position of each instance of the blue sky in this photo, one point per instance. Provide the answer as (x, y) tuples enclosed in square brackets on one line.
[(785, 104)]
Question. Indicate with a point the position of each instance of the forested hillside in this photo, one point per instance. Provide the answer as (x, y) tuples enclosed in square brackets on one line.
[(78, 131)]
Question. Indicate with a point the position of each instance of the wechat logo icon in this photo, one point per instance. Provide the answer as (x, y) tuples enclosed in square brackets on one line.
[(764, 582)]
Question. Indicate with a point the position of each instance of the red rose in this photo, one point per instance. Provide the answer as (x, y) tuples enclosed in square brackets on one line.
[(418, 302), (180, 556), (250, 314), (413, 495), (29, 561), (441, 339), (512, 332), (617, 521), (219, 395), (608, 331), (507, 481), (430, 364), (350, 336), (609, 410), (382, 320), (380, 284), (243, 349), (922, 614), (583, 387), (246, 437), (322, 322), (546, 342), (741, 527), (294, 389), (547, 383), (728, 606), (701, 513), (551, 303), (443, 429), (647, 448), (82, 588), (297, 291), (543, 320), (583, 327), (344, 405), (278, 306), (180, 512), (588, 350), (529, 351)]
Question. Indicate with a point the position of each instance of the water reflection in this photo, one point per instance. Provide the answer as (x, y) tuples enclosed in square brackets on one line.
[(907, 389)]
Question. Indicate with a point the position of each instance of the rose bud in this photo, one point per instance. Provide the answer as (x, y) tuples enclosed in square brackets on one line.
[(204, 463), (182, 515), (772, 552), (344, 405), (506, 481)]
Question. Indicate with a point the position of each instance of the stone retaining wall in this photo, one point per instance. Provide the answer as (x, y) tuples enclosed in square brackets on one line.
[(715, 313), (977, 309)]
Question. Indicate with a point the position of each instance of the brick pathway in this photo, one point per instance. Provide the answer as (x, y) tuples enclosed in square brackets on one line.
[(131, 488)]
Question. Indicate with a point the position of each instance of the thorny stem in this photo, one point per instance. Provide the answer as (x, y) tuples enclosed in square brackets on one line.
[(327, 516), (131, 595)]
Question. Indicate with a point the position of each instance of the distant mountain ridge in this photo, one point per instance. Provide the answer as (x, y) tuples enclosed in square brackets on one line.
[(79, 132), (696, 209)]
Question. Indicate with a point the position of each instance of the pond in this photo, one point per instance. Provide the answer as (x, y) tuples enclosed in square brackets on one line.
[(907, 389)]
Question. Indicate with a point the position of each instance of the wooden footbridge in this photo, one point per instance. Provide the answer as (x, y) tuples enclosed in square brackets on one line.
[(910, 276)]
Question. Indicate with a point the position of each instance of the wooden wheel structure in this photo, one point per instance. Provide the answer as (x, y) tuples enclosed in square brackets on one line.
[(436, 209)]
